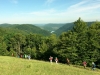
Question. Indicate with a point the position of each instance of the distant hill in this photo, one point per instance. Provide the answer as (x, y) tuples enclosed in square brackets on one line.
[(28, 28), (66, 27), (5, 25), (6, 30), (51, 27)]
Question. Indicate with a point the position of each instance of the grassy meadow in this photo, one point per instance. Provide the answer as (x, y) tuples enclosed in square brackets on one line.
[(18, 66)]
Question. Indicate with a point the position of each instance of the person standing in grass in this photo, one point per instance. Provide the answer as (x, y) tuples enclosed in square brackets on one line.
[(51, 58), (12, 54), (68, 61), (56, 60), (93, 66), (84, 64), (29, 57)]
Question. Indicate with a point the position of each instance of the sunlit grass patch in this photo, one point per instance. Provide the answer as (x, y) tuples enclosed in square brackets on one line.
[(18, 66)]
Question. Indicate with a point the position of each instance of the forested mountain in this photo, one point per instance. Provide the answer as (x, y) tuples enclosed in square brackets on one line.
[(66, 27), (5, 31), (28, 28), (5, 25), (51, 27)]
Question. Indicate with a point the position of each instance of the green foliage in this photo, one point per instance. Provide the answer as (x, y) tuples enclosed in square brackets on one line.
[(80, 26), (3, 50)]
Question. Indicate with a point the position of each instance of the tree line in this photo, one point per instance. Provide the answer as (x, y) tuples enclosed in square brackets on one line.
[(82, 43)]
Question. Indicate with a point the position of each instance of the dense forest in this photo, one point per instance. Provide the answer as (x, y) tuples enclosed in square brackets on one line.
[(81, 43)]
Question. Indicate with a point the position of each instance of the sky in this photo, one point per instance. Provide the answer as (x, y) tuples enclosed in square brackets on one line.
[(48, 11)]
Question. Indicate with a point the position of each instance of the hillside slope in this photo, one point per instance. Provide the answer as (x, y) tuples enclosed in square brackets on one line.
[(5, 25), (68, 26), (51, 27), (28, 28), (18, 66), (64, 28)]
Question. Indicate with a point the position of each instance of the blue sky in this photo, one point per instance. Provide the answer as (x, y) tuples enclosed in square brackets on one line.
[(48, 11)]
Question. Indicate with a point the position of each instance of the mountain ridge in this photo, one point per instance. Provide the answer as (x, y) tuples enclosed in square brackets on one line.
[(28, 28)]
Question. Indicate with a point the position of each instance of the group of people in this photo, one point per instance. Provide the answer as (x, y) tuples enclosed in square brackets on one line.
[(27, 56), (93, 65), (68, 62), (56, 60), (23, 56), (51, 58)]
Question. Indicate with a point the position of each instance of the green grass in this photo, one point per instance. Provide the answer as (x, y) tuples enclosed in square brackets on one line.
[(18, 66)]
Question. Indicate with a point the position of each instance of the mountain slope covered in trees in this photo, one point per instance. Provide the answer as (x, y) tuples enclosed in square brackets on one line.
[(51, 27), (5, 25), (66, 27), (27, 28)]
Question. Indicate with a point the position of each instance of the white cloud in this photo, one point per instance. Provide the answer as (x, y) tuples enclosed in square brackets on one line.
[(43, 13), (84, 6), (87, 9), (77, 5), (48, 2)]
